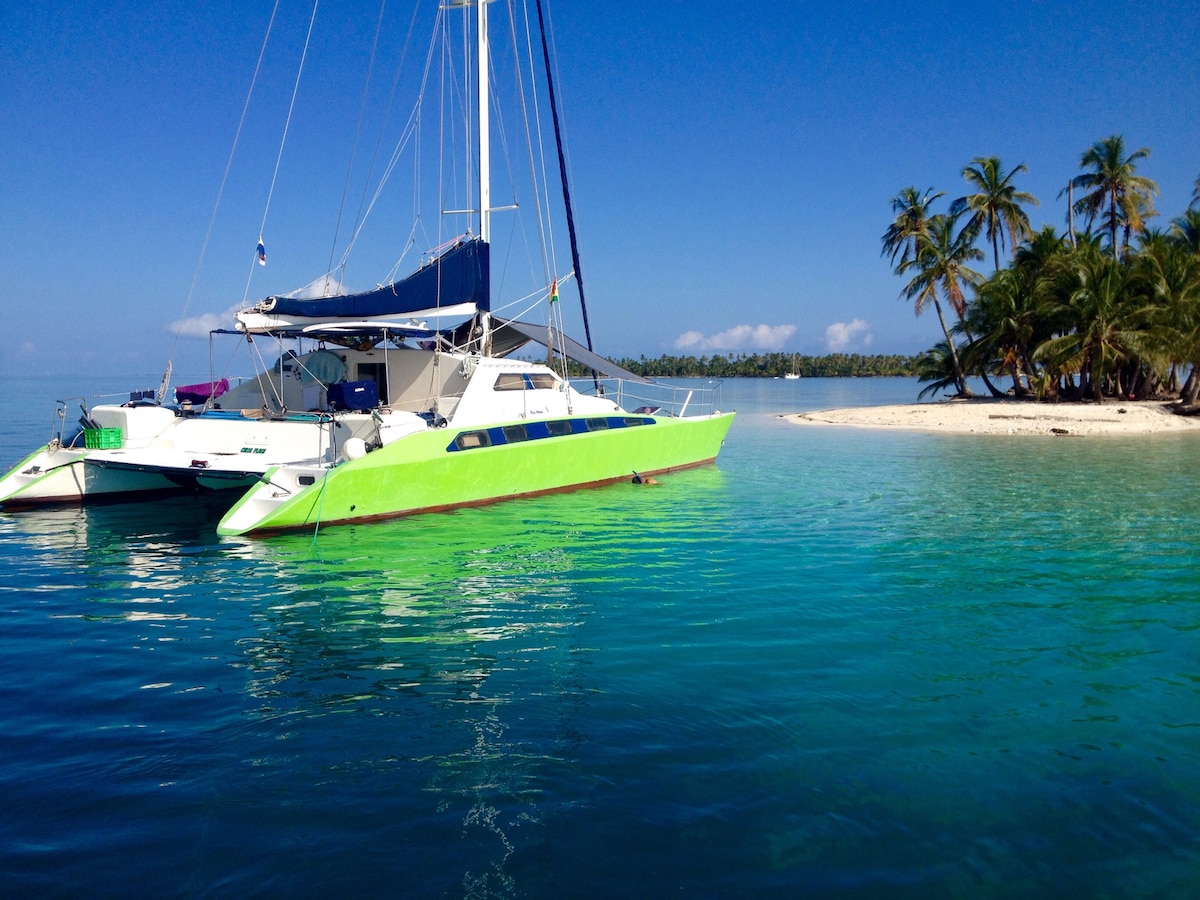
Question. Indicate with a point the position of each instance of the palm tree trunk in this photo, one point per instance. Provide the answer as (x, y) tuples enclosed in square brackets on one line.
[(1071, 212), (1028, 367), (1113, 215), (992, 389), (958, 372), (1191, 387)]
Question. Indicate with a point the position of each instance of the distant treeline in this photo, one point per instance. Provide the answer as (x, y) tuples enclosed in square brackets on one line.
[(772, 365)]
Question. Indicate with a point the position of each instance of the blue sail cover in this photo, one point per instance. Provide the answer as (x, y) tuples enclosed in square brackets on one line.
[(460, 275)]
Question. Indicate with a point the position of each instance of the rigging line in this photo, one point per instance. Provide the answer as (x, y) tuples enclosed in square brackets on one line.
[(228, 362), (440, 39), (362, 108), (498, 129), (450, 88), (540, 191), (469, 137), (360, 215), (497, 286), (282, 142), (262, 367), (562, 167), (410, 132), (321, 501), (446, 134), (221, 190)]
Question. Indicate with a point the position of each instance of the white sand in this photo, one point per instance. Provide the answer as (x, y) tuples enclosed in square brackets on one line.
[(987, 416)]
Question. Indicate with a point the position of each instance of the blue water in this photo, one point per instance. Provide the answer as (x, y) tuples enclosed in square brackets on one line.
[(840, 662)]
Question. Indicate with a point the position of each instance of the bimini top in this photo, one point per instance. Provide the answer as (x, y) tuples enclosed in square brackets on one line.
[(454, 284)]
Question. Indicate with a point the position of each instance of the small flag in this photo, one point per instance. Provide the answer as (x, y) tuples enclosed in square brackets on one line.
[(554, 291), (262, 253)]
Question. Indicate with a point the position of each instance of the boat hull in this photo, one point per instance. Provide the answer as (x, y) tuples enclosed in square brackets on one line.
[(161, 453), (56, 476), (421, 473)]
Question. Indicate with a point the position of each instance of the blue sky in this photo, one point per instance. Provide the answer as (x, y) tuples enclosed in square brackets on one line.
[(732, 170)]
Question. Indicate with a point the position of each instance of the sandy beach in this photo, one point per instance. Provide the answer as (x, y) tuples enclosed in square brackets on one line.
[(988, 416)]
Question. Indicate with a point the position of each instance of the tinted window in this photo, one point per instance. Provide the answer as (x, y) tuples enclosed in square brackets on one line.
[(469, 440), (509, 381), (514, 433)]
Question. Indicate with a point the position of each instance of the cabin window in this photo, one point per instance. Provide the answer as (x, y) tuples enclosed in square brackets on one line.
[(509, 381), (515, 433), (559, 427), (469, 440), (523, 381), (632, 422), (597, 424)]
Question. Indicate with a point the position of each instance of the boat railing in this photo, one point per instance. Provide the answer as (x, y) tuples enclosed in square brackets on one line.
[(696, 398)]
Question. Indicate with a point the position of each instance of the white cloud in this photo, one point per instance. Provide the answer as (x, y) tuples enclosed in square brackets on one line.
[(843, 335), (740, 337), (200, 326), (324, 286)]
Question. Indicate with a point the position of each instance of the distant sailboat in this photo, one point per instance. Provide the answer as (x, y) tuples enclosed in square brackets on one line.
[(795, 373)]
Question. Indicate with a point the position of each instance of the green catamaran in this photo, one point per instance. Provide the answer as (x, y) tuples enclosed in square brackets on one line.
[(384, 415)]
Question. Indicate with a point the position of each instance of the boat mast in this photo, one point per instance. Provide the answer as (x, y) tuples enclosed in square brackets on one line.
[(483, 127), (482, 92)]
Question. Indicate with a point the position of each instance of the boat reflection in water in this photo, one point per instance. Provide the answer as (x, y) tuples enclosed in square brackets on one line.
[(463, 663), (419, 684)]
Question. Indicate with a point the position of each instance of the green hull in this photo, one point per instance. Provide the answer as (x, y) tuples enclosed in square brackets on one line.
[(418, 474)]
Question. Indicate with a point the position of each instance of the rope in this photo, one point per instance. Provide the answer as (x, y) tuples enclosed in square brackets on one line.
[(541, 190), (220, 193), (282, 142), (362, 107), (320, 505), (361, 215)]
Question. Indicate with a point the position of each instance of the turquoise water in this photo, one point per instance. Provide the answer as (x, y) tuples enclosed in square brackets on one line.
[(840, 662)]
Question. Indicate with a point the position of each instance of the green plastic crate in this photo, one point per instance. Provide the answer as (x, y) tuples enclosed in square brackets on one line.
[(102, 438)]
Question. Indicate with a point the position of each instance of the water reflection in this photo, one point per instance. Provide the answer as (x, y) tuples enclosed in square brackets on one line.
[(434, 672)]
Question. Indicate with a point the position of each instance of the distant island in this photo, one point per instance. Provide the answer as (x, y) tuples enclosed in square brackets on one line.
[(767, 365)]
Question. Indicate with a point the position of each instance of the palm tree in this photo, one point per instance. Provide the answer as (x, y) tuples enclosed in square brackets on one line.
[(938, 366), (941, 270), (1107, 320), (1167, 270), (1114, 194), (996, 206), (910, 228), (1004, 318), (1195, 195), (1185, 230)]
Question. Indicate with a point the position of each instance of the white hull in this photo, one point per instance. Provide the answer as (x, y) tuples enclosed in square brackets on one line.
[(163, 450)]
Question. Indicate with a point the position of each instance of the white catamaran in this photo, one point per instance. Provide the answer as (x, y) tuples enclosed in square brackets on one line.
[(384, 415)]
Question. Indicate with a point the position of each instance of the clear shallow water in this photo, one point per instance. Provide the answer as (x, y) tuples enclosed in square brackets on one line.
[(839, 662)]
